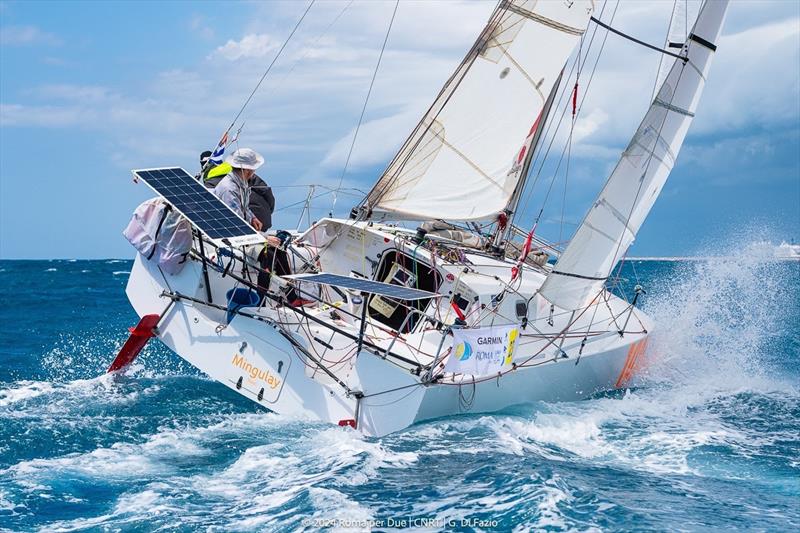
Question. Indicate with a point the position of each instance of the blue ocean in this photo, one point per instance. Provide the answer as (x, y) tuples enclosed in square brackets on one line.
[(710, 441)]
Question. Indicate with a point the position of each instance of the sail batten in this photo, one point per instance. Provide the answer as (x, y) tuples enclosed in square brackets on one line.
[(462, 161), (611, 224)]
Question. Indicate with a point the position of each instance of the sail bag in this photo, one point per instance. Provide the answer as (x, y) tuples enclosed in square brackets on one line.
[(160, 234)]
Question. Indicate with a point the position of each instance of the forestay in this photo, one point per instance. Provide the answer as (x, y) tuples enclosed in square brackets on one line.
[(612, 222), (464, 159)]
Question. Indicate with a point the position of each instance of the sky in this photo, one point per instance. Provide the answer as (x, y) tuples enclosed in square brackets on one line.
[(91, 90)]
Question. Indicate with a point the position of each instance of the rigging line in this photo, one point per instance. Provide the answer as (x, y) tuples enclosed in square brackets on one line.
[(637, 41), (666, 43), (366, 101), (280, 51), (566, 181), (569, 145), (314, 43), (461, 70), (580, 107), (563, 92), (529, 195)]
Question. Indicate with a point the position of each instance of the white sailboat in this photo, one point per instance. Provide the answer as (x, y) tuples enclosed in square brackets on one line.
[(411, 325)]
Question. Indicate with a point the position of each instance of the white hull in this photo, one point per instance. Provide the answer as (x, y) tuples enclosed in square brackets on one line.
[(254, 358)]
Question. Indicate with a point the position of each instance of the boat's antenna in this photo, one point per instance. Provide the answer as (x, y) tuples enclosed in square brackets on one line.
[(364, 108), (263, 76)]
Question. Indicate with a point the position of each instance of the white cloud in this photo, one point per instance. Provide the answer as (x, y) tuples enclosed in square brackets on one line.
[(254, 45), (26, 35), (312, 110), (85, 94), (755, 79), (199, 26), (378, 140), (39, 116)]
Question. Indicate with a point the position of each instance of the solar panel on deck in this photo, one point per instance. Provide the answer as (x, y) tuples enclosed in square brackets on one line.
[(365, 285), (197, 203)]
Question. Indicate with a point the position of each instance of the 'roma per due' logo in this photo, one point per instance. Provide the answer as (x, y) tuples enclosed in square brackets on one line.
[(463, 351)]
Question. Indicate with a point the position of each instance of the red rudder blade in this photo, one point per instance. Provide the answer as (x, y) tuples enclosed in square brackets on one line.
[(139, 337)]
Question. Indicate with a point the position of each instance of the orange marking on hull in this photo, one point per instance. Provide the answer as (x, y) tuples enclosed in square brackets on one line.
[(632, 363)]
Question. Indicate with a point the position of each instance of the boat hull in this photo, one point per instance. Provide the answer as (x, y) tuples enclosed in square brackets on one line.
[(257, 360)]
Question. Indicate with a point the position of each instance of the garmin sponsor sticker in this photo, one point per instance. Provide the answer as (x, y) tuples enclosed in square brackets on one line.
[(482, 351)]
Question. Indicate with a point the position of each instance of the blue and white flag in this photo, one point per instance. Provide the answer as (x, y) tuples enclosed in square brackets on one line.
[(219, 151)]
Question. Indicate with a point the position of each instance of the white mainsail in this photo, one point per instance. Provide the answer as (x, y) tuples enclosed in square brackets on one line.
[(612, 222), (462, 161)]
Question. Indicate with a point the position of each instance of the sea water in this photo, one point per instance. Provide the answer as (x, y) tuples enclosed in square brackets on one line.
[(711, 441)]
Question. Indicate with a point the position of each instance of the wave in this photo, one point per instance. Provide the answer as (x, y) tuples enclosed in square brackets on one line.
[(711, 424)]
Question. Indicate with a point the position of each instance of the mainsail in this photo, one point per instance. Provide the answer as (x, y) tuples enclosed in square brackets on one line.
[(463, 160), (612, 222)]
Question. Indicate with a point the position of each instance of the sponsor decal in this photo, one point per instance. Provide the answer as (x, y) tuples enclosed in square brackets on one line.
[(482, 351), (463, 351)]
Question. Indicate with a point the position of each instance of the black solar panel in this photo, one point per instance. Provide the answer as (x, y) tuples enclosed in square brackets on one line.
[(365, 285), (197, 203)]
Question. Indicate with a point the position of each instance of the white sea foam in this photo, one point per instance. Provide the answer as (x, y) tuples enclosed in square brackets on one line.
[(712, 322), (65, 397), (332, 505), (24, 390), (120, 272), (550, 495)]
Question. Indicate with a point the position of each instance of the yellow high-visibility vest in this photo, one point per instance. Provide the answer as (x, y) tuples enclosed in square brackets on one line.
[(220, 170)]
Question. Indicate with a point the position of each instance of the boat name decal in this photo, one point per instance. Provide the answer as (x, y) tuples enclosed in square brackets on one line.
[(254, 372)]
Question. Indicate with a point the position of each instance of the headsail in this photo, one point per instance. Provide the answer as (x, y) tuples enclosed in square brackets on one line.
[(462, 161), (684, 14), (612, 222)]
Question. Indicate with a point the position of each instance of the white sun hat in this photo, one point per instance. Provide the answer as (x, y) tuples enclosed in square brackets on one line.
[(245, 158)]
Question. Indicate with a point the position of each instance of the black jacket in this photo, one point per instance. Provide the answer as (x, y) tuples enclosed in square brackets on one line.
[(262, 201)]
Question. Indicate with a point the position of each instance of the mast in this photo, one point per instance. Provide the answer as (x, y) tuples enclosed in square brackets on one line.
[(528, 150)]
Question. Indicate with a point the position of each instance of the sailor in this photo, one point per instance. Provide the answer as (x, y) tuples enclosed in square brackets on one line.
[(234, 188), (262, 201), (204, 157), (210, 173)]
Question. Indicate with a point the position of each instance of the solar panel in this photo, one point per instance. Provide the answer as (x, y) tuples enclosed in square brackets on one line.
[(198, 204), (365, 285)]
